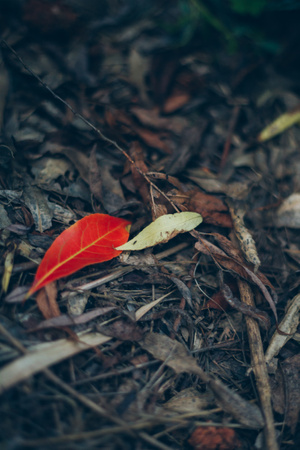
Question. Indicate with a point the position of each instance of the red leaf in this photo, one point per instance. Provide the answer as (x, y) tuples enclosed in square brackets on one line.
[(91, 240)]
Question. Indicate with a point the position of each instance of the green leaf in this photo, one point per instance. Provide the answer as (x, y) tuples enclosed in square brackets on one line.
[(162, 230)]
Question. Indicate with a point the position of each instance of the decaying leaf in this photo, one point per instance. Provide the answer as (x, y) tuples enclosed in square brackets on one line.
[(212, 208), (162, 230), (46, 301), (288, 325), (285, 391), (280, 124), (190, 401), (210, 438), (36, 200), (176, 356), (235, 264), (245, 309)]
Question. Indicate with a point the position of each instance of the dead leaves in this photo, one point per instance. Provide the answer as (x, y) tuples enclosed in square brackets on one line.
[(213, 209), (176, 356), (234, 262), (211, 438)]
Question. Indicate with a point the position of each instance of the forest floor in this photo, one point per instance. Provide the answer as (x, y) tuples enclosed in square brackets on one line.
[(190, 344)]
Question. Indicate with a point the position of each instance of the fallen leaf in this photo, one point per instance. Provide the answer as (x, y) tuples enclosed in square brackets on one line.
[(46, 301), (237, 266), (8, 267), (175, 355), (280, 124), (175, 102), (285, 391), (124, 330), (288, 214), (212, 438), (189, 401), (288, 325), (91, 240), (162, 230), (37, 202), (212, 208)]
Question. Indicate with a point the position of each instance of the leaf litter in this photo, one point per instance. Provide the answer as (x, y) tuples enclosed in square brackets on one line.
[(160, 147)]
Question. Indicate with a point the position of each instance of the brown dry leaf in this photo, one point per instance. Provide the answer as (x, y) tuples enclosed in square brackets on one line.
[(124, 330), (176, 101), (285, 392), (154, 139), (176, 356), (236, 266), (214, 438), (46, 301), (151, 118), (212, 208), (37, 202), (236, 254), (245, 309), (189, 401)]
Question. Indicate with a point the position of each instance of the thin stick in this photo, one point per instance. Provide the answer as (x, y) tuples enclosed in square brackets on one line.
[(259, 367)]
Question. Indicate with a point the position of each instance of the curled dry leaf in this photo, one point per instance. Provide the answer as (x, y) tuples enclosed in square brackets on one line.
[(162, 230), (91, 240)]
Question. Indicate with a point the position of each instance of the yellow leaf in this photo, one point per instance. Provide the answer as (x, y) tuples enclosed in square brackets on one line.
[(8, 267), (162, 230), (280, 124)]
